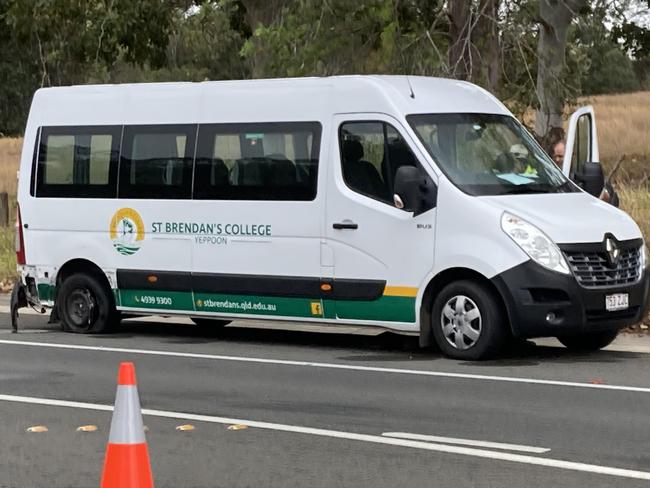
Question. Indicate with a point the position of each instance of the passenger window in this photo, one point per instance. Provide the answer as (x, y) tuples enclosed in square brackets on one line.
[(157, 161), (265, 161), (78, 162), (371, 154)]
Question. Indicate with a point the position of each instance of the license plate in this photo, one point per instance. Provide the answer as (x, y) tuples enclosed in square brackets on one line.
[(617, 301)]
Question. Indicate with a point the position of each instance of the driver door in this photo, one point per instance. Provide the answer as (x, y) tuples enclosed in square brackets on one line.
[(582, 159), (581, 141)]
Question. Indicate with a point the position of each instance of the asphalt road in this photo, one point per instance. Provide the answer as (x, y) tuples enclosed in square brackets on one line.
[(321, 410)]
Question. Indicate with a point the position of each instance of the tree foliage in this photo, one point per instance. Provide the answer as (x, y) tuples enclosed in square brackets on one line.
[(506, 46), (314, 37)]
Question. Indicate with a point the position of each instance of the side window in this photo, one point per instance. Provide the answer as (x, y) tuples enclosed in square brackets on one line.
[(582, 145), (265, 161), (371, 154), (157, 161), (78, 162)]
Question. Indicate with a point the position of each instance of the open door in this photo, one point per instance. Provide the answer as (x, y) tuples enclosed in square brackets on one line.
[(581, 157), (581, 141)]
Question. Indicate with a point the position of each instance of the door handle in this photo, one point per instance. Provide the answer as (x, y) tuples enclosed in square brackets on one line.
[(345, 225)]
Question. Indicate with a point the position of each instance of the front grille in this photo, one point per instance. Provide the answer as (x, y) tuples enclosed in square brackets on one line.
[(592, 269)]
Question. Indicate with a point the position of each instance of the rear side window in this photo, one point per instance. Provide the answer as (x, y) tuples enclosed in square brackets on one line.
[(257, 161), (78, 162), (157, 161)]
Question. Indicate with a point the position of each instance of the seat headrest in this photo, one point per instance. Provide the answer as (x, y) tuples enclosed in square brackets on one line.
[(400, 154), (352, 150)]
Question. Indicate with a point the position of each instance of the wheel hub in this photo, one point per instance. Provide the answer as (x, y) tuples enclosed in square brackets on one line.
[(461, 322), (81, 307)]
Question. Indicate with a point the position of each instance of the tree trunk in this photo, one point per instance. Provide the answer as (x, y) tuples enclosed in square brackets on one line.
[(460, 59), (263, 12), (489, 45), (555, 18), (475, 49)]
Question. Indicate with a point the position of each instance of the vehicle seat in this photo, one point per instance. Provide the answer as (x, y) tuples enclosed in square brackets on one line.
[(248, 172), (361, 175), (219, 173), (280, 171), (399, 155)]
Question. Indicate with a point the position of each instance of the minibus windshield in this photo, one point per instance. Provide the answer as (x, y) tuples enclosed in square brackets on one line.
[(488, 154)]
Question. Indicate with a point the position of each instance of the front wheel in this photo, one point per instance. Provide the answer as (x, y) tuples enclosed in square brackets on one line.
[(588, 342), (468, 322), (86, 305)]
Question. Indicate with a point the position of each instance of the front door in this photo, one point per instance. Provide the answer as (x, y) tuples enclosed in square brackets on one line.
[(581, 141), (380, 255)]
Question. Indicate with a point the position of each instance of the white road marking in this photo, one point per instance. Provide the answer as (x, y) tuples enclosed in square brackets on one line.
[(349, 367), (466, 442), (375, 439)]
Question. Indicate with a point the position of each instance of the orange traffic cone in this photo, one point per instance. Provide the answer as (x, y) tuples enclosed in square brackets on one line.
[(127, 459)]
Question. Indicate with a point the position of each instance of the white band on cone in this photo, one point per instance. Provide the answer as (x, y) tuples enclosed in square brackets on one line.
[(126, 425)]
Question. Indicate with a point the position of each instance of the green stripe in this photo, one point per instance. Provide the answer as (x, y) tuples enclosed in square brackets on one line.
[(156, 299), (386, 308), (258, 305), (45, 292)]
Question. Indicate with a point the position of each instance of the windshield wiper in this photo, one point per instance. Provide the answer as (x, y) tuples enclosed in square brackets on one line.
[(523, 189)]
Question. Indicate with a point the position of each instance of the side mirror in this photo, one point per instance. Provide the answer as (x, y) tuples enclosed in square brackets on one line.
[(591, 178), (414, 190)]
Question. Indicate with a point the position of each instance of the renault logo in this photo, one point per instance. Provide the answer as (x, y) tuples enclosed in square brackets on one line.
[(613, 251)]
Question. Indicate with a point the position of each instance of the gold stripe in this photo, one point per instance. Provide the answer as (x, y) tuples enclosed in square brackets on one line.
[(400, 291)]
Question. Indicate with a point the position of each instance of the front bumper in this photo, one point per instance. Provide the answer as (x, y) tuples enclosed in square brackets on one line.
[(531, 293)]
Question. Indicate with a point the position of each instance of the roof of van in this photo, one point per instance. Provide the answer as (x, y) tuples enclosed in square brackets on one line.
[(282, 99)]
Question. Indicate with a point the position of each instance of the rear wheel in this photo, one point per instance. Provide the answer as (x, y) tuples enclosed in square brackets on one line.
[(467, 321), (86, 305), (210, 323), (590, 341)]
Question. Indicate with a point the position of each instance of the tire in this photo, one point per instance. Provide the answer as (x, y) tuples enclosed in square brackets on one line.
[(86, 305), (462, 333), (588, 342), (210, 323)]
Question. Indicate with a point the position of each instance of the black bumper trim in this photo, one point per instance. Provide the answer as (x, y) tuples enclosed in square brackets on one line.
[(574, 308), (240, 284)]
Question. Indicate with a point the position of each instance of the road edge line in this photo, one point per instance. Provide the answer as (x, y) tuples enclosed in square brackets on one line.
[(373, 439)]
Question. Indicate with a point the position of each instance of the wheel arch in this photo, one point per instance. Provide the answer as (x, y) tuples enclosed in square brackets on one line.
[(81, 265), (438, 282)]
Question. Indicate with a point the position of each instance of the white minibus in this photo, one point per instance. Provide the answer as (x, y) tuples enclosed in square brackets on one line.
[(414, 204)]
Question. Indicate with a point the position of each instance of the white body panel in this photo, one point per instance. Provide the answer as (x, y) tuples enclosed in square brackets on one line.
[(390, 245), (570, 217)]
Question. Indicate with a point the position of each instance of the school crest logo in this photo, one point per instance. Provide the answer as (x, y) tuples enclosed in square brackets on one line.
[(126, 231)]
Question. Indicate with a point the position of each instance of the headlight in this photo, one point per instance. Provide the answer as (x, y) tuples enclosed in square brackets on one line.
[(534, 242)]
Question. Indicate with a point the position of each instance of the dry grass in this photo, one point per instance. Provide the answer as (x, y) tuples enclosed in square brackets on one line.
[(623, 125), (10, 149), (636, 201)]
